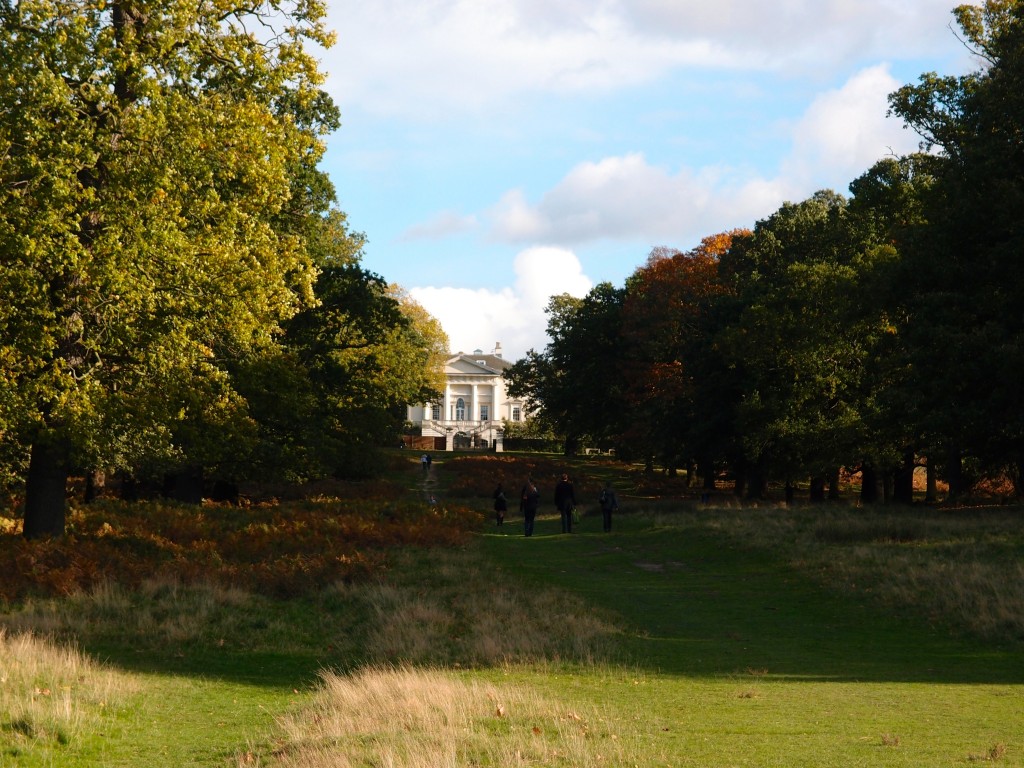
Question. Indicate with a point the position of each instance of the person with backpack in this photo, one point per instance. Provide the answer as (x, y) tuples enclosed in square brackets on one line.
[(609, 503), (529, 501)]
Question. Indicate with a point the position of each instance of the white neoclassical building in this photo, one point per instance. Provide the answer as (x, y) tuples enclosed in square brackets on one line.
[(473, 407)]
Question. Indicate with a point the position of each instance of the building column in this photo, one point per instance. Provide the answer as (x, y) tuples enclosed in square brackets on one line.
[(446, 413), (474, 410)]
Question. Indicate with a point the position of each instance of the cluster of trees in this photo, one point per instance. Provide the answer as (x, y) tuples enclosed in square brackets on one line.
[(873, 333), (179, 297)]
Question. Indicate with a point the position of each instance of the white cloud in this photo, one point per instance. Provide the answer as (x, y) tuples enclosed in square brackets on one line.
[(840, 135), (476, 318), (627, 198), (400, 58), (846, 130), (444, 224), (798, 32), (414, 58)]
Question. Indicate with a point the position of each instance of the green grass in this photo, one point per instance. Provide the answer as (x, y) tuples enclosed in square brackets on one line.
[(701, 604), (687, 637), (740, 659)]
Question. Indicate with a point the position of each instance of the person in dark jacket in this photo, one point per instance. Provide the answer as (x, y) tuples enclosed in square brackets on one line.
[(500, 505), (609, 503), (529, 501), (565, 501)]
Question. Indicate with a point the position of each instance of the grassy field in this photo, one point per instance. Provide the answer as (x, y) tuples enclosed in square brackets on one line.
[(693, 635)]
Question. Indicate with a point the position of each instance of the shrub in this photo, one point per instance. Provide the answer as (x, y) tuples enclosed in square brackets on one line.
[(287, 549)]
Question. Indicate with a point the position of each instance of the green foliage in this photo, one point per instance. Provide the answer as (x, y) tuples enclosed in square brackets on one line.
[(149, 153), (575, 385), (176, 292), (962, 322), (865, 333), (803, 338)]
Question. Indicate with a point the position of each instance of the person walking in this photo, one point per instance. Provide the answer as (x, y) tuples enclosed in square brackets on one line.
[(500, 505), (609, 503), (565, 501), (529, 501)]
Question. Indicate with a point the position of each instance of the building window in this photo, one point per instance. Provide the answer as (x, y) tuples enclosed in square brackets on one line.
[(485, 413), (460, 410), (435, 412), (515, 413)]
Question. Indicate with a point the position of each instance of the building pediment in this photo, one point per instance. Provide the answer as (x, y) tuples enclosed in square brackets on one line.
[(468, 365)]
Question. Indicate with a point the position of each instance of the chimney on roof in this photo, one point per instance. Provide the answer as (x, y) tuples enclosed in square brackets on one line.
[(497, 349)]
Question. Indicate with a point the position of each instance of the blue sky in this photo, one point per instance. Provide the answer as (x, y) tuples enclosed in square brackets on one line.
[(498, 152)]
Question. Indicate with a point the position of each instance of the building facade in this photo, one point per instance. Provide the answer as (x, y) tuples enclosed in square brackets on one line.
[(473, 407)]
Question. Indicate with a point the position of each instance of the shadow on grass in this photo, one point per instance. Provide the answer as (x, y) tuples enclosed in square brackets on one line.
[(284, 671), (690, 604), (695, 606)]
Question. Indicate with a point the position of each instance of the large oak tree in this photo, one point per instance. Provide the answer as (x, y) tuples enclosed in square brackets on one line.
[(147, 153)]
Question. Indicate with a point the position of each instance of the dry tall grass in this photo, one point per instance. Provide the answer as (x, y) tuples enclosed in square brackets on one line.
[(159, 613), (445, 607), (51, 693), (425, 718)]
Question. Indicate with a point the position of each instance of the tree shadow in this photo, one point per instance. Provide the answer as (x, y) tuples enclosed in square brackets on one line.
[(697, 607)]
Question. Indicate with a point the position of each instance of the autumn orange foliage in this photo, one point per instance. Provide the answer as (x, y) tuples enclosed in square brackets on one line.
[(284, 549)]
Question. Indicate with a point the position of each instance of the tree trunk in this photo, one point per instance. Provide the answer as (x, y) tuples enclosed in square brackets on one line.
[(46, 491), (870, 492), (707, 473), (739, 485), (931, 494), (954, 472), (833, 485), (740, 482), (790, 493), (95, 483), (903, 479), (817, 489), (225, 490), (186, 485), (757, 485)]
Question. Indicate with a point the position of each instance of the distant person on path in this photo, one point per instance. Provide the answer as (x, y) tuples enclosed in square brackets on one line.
[(430, 460), (423, 462), (500, 505), (565, 501), (529, 501), (609, 503)]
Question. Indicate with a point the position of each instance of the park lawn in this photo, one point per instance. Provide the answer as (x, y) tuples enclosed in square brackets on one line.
[(722, 654), (734, 658), (181, 708)]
